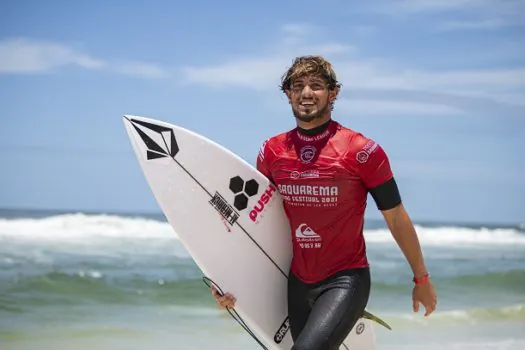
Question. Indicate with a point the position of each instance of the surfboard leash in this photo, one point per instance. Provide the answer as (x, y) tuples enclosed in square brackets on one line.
[(234, 313)]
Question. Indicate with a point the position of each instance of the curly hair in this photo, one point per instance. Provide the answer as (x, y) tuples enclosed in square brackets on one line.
[(304, 65)]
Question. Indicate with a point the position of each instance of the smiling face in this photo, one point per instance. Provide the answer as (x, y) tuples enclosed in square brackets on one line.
[(312, 88), (310, 98)]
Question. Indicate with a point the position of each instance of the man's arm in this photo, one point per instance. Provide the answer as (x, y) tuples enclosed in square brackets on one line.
[(405, 235), (378, 178)]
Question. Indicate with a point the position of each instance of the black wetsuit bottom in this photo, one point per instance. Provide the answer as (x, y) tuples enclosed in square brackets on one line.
[(323, 314)]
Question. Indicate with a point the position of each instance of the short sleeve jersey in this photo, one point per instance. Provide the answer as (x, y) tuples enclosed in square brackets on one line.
[(324, 181)]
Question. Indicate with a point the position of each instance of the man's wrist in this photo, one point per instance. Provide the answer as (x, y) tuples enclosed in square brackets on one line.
[(421, 279)]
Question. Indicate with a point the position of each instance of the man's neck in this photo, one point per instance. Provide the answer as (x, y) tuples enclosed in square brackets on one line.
[(319, 129), (314, 123)]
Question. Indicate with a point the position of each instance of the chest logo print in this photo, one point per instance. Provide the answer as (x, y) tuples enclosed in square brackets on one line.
[(307, 153)]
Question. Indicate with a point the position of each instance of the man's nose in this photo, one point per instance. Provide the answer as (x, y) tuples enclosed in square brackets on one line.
[(307, 91)]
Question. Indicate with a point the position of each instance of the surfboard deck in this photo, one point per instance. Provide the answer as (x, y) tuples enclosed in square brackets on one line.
[(230, 219)]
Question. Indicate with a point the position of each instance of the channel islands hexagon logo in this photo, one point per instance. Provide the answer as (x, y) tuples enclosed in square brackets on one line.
[(243, 190)]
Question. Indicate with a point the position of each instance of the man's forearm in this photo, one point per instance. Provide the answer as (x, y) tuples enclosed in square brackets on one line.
[(405, 235)]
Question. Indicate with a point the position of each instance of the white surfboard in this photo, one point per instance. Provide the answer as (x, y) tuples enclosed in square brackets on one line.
[(230, 219)]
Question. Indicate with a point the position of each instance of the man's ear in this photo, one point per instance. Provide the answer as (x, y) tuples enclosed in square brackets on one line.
[(332, 95), (288, 94)]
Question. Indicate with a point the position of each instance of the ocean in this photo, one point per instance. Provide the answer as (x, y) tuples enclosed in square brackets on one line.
[(72, 280)]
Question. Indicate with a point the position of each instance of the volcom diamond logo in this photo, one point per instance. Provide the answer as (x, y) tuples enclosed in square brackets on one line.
[(168, 147)]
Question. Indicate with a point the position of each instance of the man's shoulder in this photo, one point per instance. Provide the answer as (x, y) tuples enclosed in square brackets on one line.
[(354, 140), (277, 140), (280, 137), (274, 143), (359, 147)]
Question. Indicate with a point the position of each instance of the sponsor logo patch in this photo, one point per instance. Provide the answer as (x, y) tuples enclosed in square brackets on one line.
[(258, 209), (242, 191), (363, 155), (281, 332), (307, 153)]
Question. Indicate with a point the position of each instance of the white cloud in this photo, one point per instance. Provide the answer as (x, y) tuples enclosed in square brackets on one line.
[(489, 78), (140, 69), (473, 25), (258, 74), (370, 86), (261, 72), (376, 86), (457, 170), (473, 14), (421, 102), (298, 29), (23, 55), (20, 55), (366, 75), (431, 6), (408, 7), (390, 108)]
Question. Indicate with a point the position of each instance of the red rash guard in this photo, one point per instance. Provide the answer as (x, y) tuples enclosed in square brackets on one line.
[(324, 181)]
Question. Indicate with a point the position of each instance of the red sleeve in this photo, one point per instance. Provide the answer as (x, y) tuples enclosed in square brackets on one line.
[(262, 161), (371, 162)]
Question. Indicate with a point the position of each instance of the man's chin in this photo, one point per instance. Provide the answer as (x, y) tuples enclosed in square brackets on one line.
[(307, 117)]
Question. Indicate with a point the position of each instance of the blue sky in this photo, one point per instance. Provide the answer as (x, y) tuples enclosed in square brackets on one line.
[(439, 84)]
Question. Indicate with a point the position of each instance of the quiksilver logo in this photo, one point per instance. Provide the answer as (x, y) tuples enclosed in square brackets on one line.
[(304, 231)]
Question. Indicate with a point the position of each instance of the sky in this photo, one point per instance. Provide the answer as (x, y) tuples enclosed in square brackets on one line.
[(440, 85)]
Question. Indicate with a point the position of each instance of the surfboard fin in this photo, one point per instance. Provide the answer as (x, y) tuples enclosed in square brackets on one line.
[(374, 318)]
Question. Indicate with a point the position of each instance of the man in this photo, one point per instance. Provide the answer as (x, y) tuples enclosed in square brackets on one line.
[(324, 172)]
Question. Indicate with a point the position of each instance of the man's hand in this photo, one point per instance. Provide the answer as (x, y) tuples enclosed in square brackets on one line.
[(405, 235), (424, 294), (224, 301)]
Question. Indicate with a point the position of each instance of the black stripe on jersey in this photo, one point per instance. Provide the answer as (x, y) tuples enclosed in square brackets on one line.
[(386, 195)]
